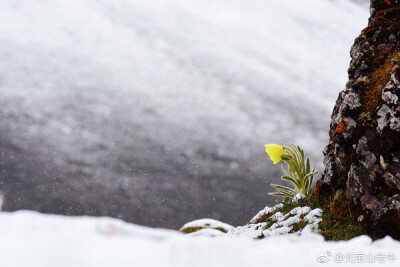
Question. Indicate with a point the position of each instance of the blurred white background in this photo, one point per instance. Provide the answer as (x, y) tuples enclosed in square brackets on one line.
[(157, 112)]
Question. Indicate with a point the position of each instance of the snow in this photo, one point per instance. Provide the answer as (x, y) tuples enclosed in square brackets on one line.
[(298, 197), (265, 211), (33, 239), (206, 232)]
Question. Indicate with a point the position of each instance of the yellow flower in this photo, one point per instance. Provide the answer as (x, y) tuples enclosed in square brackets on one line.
[(274, 152)]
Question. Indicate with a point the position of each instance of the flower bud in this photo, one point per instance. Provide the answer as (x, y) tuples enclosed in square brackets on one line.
[(285, 157)]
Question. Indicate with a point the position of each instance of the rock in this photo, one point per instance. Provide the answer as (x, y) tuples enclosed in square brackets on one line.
[(363, 153), (206, 232), (3, 202), (210, 225)]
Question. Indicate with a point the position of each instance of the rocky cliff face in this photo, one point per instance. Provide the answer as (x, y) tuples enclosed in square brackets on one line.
[(362, 160)]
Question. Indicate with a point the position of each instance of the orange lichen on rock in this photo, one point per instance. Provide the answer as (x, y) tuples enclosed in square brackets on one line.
[(341, 126)]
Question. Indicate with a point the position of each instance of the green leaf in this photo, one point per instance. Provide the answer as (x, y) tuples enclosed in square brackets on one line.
[(284, 171), (296, 168), (280, 194), (281, 187), (290, 179)]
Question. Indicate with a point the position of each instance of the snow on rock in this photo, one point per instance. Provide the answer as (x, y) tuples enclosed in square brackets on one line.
[(206, 224), (265, 211), (206, 232), (298, 197), (271, 222), (33, 239)]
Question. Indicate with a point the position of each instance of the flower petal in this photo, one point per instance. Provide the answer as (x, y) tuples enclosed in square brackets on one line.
[(275, 152)]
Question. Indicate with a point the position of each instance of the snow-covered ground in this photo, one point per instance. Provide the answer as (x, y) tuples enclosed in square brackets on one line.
[(157, 112), (32, 239)]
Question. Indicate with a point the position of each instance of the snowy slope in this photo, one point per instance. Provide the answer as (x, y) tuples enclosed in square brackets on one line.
[(33, 239), (157, 111)]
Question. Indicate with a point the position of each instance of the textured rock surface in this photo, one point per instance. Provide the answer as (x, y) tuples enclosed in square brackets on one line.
[(362, 159)]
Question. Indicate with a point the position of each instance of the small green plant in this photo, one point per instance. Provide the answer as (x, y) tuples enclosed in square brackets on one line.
[(396, 59), (299, 171), (365, 116)]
